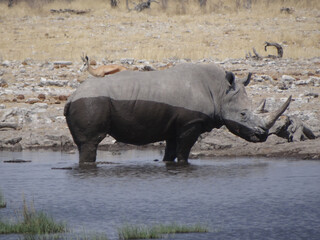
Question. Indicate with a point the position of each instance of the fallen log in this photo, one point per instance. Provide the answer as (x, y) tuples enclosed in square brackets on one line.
[(8, 125), (72, 11)]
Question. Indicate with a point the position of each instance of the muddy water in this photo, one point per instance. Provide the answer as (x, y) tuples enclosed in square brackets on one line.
[(236, 198)]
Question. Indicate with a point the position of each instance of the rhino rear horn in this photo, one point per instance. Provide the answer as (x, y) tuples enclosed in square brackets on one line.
[(272, 117), (261, 107)]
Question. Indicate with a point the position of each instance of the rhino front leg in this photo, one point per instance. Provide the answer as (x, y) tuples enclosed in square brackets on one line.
[(186, 140), (170, 153)]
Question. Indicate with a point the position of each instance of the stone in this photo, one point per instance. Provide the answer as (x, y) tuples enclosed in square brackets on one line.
[(32, 100), (3, 83), (20, 97), (58, 83), (129, 61), (6, 63), (42, 96), (287, 78), (62, 63), (315, 81)]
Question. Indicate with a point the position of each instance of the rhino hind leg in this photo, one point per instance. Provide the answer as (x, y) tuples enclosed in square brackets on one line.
[(186, 140), (170, 151), (88, 125)]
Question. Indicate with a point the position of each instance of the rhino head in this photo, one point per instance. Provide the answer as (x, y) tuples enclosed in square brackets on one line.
[(238, 115)]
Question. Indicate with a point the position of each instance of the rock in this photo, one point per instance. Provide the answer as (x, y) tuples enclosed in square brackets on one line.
[(315, 81), (32, 100), (3, 83), (27, 61), (267, 78), (311, 94), (62, 63), (63, 97), (6, 63), (258, 79), (287, 78), (58, 83), (2, 106), (20, 97), (283, 86), (301, 82), (42, 97), (13, 141), (39, 106), (129, 61), (74, 83)]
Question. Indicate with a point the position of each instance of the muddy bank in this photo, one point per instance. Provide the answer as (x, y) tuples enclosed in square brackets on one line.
[(33, 94)]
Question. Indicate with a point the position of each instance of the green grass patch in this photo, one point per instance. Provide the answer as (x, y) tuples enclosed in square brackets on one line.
[(158, 231), (30, 221)]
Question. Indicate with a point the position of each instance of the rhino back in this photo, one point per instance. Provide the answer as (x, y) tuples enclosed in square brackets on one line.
[(189, 86)]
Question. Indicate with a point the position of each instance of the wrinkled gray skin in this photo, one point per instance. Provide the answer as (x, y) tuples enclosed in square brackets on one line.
[(175, 105)]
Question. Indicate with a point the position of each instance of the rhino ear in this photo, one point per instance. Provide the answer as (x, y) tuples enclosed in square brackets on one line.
[(231, 79)]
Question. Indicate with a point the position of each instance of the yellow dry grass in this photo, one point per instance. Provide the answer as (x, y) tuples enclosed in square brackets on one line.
[(223, 29)]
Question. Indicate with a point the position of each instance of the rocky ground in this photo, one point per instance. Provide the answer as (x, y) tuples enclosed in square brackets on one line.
[(33, 95)]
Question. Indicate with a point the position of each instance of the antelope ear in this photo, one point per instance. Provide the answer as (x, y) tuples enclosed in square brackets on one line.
[(87, 58)]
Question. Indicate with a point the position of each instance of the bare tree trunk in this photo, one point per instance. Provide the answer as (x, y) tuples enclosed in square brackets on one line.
[(164, 4), (247, 4), (203, 3), (113, 3)]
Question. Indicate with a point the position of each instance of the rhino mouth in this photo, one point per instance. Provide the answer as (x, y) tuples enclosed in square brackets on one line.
[(255, 134)]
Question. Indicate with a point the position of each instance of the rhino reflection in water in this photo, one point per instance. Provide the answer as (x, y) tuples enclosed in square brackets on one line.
[(175, 105)]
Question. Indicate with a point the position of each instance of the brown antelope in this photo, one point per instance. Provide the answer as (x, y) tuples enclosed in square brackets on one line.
[(102, 70)]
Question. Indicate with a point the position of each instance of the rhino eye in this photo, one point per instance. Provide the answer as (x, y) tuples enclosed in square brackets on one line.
[(243, 115)]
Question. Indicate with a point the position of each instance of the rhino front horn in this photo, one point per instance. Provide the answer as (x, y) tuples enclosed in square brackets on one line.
[(272, 117)]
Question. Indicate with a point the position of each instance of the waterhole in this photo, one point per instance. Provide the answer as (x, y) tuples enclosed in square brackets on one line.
[(236, 198)]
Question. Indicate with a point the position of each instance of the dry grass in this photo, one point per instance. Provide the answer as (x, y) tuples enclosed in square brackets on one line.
[(223, 29)]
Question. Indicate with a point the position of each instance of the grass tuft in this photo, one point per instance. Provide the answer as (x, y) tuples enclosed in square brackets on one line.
[(32, 222), (144, 232)]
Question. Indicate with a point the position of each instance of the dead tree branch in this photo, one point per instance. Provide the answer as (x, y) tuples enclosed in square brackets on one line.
[(257, 56), (276, 45)]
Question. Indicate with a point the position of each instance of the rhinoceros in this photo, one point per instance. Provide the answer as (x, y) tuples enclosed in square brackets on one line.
[(175, 105)]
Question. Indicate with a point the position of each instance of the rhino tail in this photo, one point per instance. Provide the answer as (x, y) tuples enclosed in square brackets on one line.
[(66, 108)]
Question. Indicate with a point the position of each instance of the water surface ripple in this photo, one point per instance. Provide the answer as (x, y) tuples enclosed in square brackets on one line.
[(238, 198)]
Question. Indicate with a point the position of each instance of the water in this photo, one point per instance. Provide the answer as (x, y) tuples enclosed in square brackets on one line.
[(238, 198)]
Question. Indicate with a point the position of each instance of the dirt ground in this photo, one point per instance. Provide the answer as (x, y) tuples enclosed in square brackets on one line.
[(40, 59)]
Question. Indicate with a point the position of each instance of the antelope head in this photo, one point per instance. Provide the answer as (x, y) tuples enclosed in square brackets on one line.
[(85, 60)]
